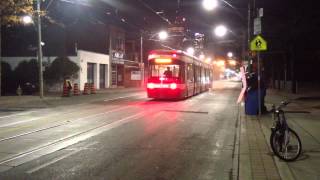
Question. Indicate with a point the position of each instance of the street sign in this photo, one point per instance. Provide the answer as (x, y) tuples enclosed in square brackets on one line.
[(261, 12), (257, 26), (258, 44)]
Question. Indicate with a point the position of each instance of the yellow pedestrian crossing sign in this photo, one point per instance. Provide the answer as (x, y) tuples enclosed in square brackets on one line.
[(258, 44)]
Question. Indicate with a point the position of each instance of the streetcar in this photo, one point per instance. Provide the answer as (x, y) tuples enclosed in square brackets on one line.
[(173, 74)]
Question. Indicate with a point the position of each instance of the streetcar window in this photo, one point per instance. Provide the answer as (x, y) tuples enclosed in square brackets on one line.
[(190, 74), (160, 70)]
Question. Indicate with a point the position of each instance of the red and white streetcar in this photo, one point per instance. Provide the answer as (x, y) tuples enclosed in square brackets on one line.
[(174, 74)]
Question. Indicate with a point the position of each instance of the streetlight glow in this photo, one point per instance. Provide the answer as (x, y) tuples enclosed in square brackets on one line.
[(230, 54), (232, 62), (190, 50), (27, 19), (202, 56), (220, 31), (208, 60), (163, 35), (209, 4)]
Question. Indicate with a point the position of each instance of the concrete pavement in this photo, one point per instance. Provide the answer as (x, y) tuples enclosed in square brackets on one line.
[(128, 138), (256, 158), (252, 148)]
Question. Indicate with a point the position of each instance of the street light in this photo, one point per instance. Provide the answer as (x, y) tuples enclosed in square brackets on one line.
[(220, 31), (208, 60), (190, 50), (27, 19), (163, 35), (230, 54), (209, 4), (202, 56)]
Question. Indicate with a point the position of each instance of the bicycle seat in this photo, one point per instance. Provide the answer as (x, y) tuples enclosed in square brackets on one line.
[(284, 103)]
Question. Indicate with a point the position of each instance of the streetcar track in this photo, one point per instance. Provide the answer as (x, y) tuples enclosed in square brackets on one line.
[(70, 137), (17, 114), (50, 116), (64, 123), (59, 158), (83, 134), (61, 124), (184, 111), (79, 106)]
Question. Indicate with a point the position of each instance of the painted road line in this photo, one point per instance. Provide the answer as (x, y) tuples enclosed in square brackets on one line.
[(59, 158)]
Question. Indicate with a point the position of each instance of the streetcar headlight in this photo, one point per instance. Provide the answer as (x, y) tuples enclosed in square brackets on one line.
[(173, 86), (150, 86)]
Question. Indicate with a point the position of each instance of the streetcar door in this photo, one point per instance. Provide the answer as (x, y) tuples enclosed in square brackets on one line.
[(190, 79)]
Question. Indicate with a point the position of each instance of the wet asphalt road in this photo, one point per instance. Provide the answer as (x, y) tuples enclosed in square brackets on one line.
[(131, 137)]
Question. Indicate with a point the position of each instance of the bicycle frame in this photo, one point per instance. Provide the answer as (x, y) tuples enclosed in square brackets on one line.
[(282, 134), (280, 123)]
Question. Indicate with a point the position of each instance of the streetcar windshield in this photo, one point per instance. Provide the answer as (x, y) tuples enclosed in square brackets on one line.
[(167, 70)]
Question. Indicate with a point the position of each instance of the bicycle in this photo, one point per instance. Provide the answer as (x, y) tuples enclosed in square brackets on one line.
[(285, 142)]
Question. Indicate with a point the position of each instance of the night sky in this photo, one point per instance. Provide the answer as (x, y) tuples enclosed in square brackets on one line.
[(291, 27)]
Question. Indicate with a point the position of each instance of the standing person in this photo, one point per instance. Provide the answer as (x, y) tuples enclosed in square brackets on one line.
[(69, 86), (168, 72)]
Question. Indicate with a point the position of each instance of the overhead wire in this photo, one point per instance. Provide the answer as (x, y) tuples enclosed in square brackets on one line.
[(155, 12)]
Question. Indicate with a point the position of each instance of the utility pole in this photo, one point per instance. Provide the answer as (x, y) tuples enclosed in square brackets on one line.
[(40, 49), (141, 60), (249, 25), (0, 51)]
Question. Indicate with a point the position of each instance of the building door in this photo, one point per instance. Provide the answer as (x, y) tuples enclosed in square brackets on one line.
[(90, 73), (102, 79), (120, 75), (114, 75)]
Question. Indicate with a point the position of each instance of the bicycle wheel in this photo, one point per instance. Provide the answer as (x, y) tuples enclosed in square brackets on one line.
[(287, 146)]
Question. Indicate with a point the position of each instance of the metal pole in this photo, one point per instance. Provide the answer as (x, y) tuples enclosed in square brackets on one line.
[(259, 83), (40, 50), (249, 25), (141, 61), (0, 51)]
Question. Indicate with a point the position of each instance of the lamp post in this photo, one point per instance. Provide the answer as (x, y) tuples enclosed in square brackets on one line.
[(141, 60), (0, 51), (39, 49), (28, 20)]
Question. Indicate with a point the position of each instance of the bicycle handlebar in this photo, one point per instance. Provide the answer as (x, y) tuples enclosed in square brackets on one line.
[(282, 104)]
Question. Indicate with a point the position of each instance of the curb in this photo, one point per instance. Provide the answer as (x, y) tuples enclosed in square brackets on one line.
[(13, 101), (236, 152)]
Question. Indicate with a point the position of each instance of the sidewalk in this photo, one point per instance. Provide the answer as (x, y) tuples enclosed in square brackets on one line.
[(55, 99), (256, 162), (256, 158)]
